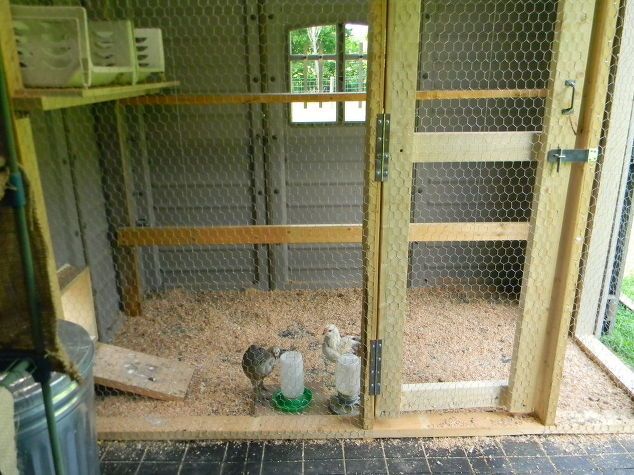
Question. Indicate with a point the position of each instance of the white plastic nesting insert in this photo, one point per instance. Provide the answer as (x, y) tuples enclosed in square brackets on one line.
[(112, 52), (52, 44), (149, 49)]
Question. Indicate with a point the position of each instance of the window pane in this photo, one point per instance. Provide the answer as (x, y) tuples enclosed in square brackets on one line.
[(355, 75), (354, 111), (356, 39), (313, 76), (321, 39), (302, 112)]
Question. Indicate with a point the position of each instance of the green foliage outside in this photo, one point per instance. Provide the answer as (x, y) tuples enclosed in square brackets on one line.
[(621, 340), (322, 40)]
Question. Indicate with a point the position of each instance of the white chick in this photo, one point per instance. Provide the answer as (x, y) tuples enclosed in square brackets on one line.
[(335, 345)]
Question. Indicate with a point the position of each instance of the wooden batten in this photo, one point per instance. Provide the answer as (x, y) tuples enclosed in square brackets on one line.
[(315, 234), (289, 98), (445, 147)]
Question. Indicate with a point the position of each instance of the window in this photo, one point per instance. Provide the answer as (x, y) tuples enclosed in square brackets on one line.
[(317, 67)]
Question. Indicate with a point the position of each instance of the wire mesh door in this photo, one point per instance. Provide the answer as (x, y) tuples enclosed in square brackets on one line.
[(471, 227)]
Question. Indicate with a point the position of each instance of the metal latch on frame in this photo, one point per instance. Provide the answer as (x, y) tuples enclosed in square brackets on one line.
[(560, 156)]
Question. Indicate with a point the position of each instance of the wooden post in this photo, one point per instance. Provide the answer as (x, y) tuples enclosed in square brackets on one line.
[(46, 274), (560, 206), (607, 207), (118, 189), (372, 197), (401, 60)]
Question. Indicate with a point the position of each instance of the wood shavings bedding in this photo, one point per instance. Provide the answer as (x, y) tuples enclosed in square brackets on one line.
[(456, 339)]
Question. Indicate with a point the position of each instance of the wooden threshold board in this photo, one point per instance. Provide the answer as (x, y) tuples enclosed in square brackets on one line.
[(444, 424), (139, 373), (60, 98)]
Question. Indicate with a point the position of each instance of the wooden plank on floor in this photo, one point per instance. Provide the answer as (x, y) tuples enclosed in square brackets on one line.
[(434, 147), (140, 373)]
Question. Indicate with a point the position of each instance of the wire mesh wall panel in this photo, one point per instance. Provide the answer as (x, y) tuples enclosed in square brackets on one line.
[(195, 325), (464, 313)]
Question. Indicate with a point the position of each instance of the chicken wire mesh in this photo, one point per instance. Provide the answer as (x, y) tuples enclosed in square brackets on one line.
[(465, 285), (230, 310), (186, 162)]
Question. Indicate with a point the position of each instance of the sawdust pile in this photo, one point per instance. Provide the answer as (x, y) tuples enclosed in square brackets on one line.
[(448, 337)]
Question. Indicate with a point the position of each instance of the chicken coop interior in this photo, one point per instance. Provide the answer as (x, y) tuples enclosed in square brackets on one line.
[(344, 217)]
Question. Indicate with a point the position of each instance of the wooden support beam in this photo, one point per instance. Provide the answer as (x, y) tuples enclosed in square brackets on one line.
[(436, 147), (577, 205), (403, 38), (288, 98), (452, 395), (559, 207), (118, 189), (607, 206), (313, 234), (377, 40), (13, 297)]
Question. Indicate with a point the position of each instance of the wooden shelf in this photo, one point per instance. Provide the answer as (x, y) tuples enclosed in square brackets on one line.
[(51, 99)]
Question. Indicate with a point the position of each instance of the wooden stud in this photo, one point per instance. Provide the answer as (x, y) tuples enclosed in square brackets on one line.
[(445, 147), (403, 23), (46, 270), (377, 39), (119, 201), (550, 270), (577, 205), (607, 207)]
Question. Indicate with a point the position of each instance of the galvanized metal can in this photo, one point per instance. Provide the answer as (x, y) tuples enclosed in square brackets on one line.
[(74, 411)]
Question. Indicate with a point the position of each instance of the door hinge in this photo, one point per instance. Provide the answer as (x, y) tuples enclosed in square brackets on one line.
[(382, 147), (559, 155), (376, 350)]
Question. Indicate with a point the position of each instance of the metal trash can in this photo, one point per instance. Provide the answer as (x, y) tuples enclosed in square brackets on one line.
[(74, 409)]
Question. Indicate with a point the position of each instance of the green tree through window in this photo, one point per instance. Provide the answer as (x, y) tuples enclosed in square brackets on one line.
[(314, 63)]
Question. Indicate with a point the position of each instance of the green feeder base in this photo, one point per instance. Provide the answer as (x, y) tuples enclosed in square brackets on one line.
[(292, 406)]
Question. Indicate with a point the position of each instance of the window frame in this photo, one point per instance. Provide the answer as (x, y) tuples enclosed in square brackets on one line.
[(340, 57)]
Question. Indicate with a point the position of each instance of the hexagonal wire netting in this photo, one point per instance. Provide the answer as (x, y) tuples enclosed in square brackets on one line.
[(189, 160)]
